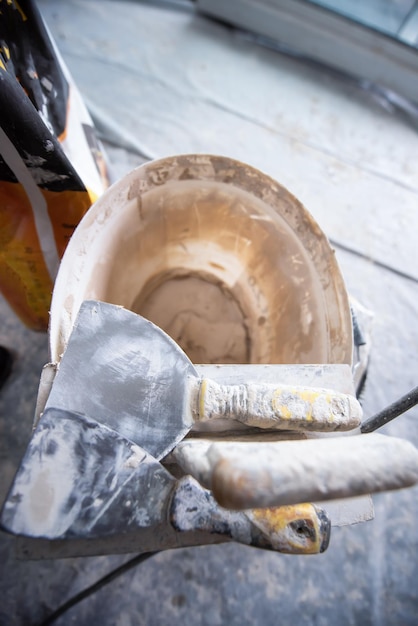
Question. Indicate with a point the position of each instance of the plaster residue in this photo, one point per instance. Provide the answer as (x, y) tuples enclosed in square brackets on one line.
[(223, 259), (221, 273), (202, 317)]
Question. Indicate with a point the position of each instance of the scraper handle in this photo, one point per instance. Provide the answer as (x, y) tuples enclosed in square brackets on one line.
[(257, 475), (281, 407), (298, 529)]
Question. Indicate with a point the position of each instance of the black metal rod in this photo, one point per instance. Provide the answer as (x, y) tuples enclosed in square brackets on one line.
[(390, 412)]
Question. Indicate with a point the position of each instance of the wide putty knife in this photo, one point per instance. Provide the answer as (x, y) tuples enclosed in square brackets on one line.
[(83, 489), (124, 371)]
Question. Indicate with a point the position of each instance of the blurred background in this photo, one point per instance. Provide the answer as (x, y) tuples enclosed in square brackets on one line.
[(323, 97)]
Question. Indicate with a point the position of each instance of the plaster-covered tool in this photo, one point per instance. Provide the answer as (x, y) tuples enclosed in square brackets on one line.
[(124, 371), (247, 474), (83, 489)]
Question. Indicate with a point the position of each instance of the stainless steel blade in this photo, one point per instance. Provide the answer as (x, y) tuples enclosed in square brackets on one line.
[(127, 374), (81, 480)]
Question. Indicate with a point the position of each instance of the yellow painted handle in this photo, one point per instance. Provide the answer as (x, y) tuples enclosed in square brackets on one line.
[(294, 529), (283, 407)]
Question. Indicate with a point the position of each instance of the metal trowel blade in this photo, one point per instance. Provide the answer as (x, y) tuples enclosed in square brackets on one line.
[(126, 373), (81, 480)]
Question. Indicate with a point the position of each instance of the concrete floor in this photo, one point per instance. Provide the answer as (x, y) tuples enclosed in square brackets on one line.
[(185, 84)]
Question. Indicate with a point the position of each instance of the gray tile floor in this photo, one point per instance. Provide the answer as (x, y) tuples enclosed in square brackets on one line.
[(184, 84)]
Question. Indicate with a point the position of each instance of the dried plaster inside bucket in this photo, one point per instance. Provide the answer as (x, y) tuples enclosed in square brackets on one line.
[(219, 255), (218, 270), (203, 317)]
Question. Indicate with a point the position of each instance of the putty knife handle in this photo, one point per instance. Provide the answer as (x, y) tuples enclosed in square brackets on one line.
[(300, 529), (281, 407)]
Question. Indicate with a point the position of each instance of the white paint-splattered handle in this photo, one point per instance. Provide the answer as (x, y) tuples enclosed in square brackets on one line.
[(282, 407)]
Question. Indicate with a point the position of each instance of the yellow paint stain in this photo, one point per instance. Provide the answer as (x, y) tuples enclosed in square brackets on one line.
[(278, 517), (274, 520), (281, 409), (203, 391), (307, 396)]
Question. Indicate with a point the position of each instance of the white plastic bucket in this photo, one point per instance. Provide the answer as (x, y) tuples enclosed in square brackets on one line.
[(219, 255)]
